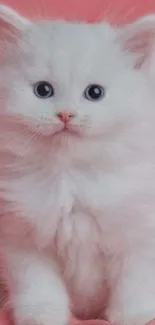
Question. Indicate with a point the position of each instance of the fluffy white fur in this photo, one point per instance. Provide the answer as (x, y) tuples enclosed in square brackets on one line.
[(77, 208)]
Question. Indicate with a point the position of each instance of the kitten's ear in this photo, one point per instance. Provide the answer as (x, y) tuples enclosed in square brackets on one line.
[(11, 21), (138, 38)]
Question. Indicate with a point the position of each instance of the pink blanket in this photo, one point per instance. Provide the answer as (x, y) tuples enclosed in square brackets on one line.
[(5, 319)]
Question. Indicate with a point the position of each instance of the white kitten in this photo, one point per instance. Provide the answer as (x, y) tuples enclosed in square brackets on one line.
[(77, 170)]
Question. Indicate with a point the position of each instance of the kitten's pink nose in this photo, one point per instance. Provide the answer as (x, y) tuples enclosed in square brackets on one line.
[(65, 117)]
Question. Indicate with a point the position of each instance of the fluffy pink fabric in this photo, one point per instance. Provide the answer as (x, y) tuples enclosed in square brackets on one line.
[(5, 319)]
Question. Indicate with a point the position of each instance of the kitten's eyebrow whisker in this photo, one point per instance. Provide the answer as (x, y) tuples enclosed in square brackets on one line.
[(44, 11)]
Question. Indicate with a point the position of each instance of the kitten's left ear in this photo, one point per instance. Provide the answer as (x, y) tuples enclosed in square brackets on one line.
[(138, 38), (11, 20)]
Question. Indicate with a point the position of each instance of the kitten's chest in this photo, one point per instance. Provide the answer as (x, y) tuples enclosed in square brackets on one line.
[(45, 198)]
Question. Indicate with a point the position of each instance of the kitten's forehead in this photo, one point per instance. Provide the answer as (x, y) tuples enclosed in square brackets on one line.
[(72, 38), (81, 52), (76, 31), (71, 47)]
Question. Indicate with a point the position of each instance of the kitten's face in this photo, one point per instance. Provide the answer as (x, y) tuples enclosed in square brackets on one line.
[(77, 69)]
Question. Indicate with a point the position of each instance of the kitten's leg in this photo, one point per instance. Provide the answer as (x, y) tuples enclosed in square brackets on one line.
[(38, 295), (132, 300)]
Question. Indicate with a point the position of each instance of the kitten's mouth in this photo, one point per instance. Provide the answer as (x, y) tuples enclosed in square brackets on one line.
[(69, 129)]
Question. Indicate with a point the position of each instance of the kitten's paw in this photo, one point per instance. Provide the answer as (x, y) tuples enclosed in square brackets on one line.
[(41, 315), (34, 310), (139, 318)]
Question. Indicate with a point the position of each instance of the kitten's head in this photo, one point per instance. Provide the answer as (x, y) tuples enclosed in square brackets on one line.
[(77, 78)]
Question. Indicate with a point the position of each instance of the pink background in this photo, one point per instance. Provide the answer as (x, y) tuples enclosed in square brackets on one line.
[(118, 11)]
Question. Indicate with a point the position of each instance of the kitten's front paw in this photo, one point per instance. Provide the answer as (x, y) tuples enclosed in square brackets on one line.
[(135, 318), (38, 309), (41, 315)]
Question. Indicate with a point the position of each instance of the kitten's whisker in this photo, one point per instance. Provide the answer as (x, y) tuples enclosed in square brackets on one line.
[(31, 140)]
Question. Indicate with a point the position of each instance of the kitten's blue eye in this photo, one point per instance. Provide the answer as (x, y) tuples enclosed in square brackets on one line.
[(94, 92), (43, 89)]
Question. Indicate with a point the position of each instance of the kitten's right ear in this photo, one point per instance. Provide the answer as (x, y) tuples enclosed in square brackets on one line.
[(11, 21), (138, 38)]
